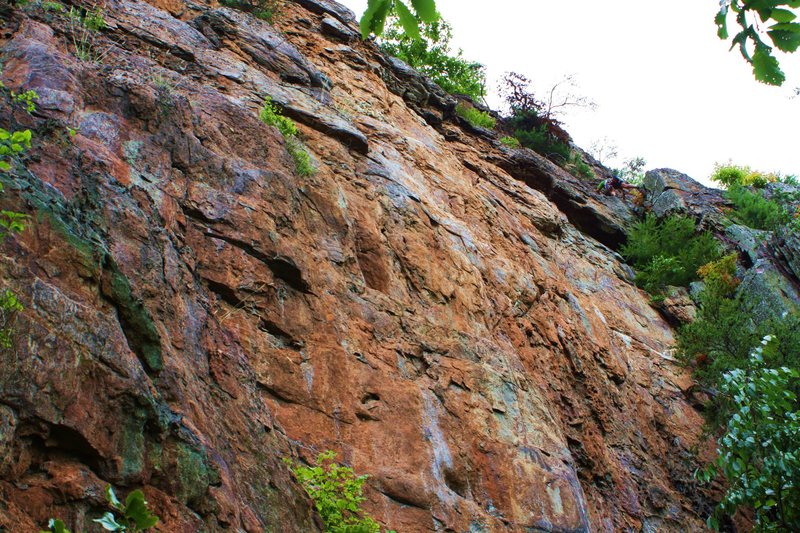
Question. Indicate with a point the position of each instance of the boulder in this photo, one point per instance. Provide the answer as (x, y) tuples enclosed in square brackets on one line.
[(668, 192)]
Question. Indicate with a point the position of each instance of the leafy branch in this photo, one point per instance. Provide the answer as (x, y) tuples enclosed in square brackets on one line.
[(765, 25), (374, 18)]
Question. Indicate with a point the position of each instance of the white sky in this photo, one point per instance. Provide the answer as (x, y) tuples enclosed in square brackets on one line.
[(666, 87)]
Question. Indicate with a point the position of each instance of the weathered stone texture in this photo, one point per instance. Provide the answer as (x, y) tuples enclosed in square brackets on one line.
[(424, 304)]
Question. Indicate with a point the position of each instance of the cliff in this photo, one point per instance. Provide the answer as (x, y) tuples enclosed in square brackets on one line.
[(446, 313)]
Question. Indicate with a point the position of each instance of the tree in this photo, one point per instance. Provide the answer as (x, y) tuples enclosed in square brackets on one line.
[(432, 56), (765, 25), (759, 454)]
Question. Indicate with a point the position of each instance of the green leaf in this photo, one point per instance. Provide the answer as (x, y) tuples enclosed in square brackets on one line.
[(787, 41), (410, 24), (766, 68), (786, 26), (56, 526), (782, 15), (109, 523), (5, 166), (370, 20), (721, 20), (426, 10), (136, 510), (112, 498)]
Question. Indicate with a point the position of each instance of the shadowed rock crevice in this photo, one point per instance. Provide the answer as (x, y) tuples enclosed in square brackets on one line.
[(283, 268), (135, 320)]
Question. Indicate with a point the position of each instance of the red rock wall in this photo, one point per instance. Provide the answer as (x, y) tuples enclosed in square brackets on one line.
[(195, 311)]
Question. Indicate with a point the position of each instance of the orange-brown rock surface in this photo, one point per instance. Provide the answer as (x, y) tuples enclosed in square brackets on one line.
[(442, 311)]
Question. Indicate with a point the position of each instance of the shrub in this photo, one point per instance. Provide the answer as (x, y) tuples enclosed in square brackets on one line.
[(9, 307), (758, 454), (726, 327), (577, 166), (302, 161), (271, 115), (431, 55), (743, 176), (541, 141), (26, 98), (12, 144), (475, 116), (668, 252), (511, 142), (83, 27), (337, 494), (753, 210)]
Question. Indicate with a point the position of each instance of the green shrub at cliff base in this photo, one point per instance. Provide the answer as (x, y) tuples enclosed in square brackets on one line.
[(475, 116), (759, 453), (337, 494), (431, 55), (753, 210), (668, 252)]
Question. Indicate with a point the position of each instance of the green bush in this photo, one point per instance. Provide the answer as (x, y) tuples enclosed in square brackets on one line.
[(726, 327), (753, 210), (475, 116), (302, 161), (9, 307), (511, 142), (759, 452), (577, 166), (743, 176), (431, 55), (540, 141), (337, 494), (668, 252), (12, 145), (26, 98), (271, 115)]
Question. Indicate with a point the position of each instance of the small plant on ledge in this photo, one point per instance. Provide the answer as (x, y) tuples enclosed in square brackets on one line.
[(271, 116), (337, 494), (476, 117)]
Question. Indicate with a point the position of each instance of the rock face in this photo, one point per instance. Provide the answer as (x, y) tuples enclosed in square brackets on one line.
[(768, 260), (426, 304), (671, 192)]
